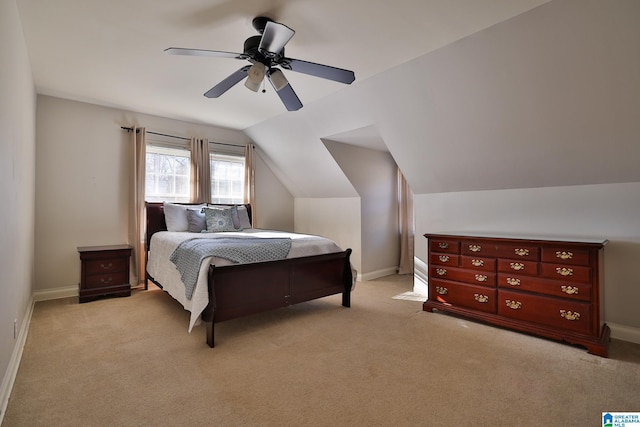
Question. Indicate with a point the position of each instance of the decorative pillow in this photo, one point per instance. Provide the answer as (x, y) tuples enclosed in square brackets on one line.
[(175, 216), (243, 217), (196, 219), (219, 219)]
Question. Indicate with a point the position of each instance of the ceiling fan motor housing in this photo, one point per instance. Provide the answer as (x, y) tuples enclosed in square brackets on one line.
[(251, 50)]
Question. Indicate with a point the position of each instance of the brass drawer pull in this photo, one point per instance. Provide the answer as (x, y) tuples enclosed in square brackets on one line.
[(481, 298), (477, 262), (517, 266), (443, 245), (444, 258), (481, 278), (513, 281), (514, 305), (441, 291), (570, 315), (564, 271), (564, 255), (441, 271), (522, 252), (109, 280), (106, 267), (475, 248), (571, 290)]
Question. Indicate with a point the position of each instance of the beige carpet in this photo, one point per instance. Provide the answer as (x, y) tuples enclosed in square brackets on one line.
[(382, 362)]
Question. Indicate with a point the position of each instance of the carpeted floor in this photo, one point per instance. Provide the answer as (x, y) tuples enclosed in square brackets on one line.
[(382, 362)]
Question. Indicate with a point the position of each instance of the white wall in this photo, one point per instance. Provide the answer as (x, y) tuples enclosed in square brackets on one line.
[(83, 182), (373, 174), (17, 189), (338, 219), (608, 211)]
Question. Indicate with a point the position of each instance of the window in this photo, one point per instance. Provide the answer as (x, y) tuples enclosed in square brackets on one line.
[(168, 174), (227, 178)]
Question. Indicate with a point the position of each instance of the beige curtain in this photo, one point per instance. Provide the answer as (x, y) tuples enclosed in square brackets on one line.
[(406, 222), (200, 171), (138, 217), (249, 180)]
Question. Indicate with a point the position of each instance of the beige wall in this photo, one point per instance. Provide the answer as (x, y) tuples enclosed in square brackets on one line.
[(17, 190), (607, 211), (83, 182), (373, 174), (338, 219)]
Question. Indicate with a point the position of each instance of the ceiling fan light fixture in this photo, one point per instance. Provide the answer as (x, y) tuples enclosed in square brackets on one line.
[(256, 72), (278, 80)]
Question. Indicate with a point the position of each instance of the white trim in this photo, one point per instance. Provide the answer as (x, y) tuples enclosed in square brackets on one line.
[(55, 293), (378, 273), (625, 333), (420, 276), (14, 362)]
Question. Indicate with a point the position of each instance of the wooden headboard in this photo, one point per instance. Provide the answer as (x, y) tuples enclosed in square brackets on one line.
[(156, 221)]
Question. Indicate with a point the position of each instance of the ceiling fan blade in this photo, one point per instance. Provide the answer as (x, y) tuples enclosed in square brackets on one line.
[(227, 83), (318, 70), (274, 38), (287, 96), (203, 52)]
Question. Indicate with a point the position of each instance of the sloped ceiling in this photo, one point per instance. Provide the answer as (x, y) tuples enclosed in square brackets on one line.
[(548, 98), (110, 52)]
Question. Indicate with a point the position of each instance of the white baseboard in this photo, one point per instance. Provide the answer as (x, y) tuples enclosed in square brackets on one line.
[(14, 362), (56, 293), (378, 273), (625, 333)]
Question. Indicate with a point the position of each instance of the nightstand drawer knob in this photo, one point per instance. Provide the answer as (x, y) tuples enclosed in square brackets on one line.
[(105, 281), (106, 267)]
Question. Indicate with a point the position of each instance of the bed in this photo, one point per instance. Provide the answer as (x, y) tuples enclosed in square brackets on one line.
[(226, 290)]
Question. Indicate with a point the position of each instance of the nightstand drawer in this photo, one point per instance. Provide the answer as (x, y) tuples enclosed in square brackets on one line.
[(107, 265), (109, 279)]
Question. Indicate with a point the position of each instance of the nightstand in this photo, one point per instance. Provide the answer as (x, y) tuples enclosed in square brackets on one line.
[(104, 271)]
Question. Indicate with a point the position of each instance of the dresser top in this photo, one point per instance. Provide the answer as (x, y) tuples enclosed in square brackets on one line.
[(516, 236)]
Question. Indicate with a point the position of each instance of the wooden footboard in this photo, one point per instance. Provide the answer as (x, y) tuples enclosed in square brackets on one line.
[(241, 290)]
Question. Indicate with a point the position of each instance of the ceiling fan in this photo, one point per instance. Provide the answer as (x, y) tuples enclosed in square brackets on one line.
[(266, 52)]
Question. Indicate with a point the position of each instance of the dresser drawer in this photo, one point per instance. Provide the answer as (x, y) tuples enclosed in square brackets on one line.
[(444, 259), (106, 265), (570, 272), (529, 268), (474, 297), (560, 288), (105, 280), (473, 277), (518, 251), (564, 255), (559, 313), (444, 246), (478, 248), (478, 263)]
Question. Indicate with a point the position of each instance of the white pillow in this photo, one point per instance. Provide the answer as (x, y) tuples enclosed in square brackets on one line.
[(176, 216)]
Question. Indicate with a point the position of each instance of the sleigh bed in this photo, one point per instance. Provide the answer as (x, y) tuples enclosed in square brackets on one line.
[(226, 290)]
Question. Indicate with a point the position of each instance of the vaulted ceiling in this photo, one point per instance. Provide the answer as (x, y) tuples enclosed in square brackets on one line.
[(112, 52)]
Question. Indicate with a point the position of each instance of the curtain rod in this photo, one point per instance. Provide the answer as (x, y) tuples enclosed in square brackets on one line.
[(179, 137)]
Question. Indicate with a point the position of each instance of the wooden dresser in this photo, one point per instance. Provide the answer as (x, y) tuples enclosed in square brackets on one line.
[(550, 288), (104, 271)]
